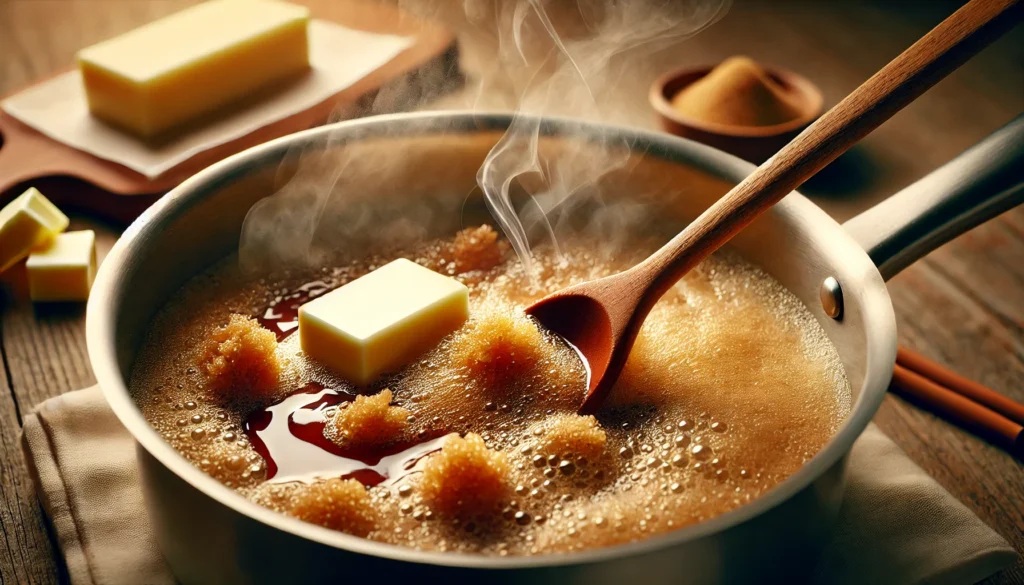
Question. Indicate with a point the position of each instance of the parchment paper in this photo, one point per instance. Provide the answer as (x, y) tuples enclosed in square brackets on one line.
[(339, 57)]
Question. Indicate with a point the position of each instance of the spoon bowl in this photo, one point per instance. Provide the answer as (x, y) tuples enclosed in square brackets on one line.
[(582, 319)]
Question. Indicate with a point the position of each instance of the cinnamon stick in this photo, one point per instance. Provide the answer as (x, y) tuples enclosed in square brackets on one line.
[(1005, 406), (959, 409)]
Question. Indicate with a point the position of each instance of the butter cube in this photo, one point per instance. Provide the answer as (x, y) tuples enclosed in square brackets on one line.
[(193, 62), (27, 222), (383, 320), (64, 269)]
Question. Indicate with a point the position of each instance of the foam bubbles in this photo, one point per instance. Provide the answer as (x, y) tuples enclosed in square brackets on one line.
[(731, 388)]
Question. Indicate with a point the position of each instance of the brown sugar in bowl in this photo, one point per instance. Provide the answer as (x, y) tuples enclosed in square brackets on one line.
[(753, 143)]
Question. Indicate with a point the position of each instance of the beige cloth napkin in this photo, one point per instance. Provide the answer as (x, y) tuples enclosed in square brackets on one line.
[(897, 526), (339, 57)]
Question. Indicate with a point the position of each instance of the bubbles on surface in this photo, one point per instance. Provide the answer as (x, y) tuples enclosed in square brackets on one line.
[(686, 435)]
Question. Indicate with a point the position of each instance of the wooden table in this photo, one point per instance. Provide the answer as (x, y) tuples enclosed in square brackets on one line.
[(963, 305)]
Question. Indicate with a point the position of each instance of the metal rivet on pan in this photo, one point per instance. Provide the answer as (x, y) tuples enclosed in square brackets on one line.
[(832, 298)]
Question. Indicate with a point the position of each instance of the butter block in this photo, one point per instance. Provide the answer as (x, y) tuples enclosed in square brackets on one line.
[(64, 269), (383, 320), (27, 222), (191, 63)]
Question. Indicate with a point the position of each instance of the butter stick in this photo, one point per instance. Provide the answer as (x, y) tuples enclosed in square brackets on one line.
[(383, 320), (28, 221), (177, 69), (63, 269)]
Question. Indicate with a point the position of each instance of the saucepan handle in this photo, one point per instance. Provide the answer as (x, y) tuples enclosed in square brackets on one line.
[(979, 184)]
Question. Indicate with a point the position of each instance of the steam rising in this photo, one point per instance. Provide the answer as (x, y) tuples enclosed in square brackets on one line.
[(584, 67), (541, 58)]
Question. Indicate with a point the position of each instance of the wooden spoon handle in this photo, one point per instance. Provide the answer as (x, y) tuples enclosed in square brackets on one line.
[(909, 75)]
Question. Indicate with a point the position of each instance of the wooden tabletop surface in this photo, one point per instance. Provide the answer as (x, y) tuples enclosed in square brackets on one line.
[(963, 305)]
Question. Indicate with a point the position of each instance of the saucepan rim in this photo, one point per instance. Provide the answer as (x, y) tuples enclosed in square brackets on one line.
[(110, 291)]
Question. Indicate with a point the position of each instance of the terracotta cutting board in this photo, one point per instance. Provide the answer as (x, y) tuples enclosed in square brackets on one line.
[(77, 180)]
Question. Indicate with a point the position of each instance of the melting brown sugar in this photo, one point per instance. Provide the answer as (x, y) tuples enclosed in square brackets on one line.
[(738, 92), (477, 447)]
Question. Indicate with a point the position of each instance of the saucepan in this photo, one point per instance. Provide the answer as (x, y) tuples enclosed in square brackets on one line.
[(210, 534)]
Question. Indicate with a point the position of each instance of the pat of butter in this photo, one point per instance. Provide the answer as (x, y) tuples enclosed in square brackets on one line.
[(383, 320), (190, 63), (64, 269), (27, 222)]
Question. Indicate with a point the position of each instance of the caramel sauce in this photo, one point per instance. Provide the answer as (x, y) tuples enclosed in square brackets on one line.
[(282, 316), (289, 436), (731, 387)]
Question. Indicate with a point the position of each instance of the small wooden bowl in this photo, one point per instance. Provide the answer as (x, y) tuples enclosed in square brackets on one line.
[(753, 143)]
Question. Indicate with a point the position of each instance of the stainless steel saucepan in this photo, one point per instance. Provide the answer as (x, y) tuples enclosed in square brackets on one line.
[(210, 534)]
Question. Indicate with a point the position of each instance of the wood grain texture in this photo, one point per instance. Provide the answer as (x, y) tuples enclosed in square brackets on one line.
[(938, 318), (27, 554), (962, 305), (44, 352)]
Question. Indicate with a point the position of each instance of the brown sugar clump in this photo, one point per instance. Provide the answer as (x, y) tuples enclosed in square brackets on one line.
[(477, 249), (339, 504), (738, 92), (499, 345), (466, 476), (240, 359), (369, 420), (571, 435)]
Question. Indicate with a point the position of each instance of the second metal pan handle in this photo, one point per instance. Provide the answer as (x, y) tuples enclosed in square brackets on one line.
[(979, 184)]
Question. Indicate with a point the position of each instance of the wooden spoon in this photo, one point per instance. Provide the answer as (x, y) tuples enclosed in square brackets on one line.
[(601, 318)]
